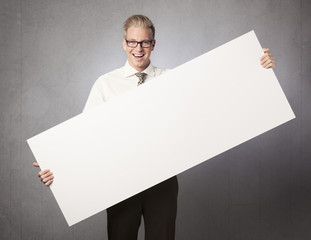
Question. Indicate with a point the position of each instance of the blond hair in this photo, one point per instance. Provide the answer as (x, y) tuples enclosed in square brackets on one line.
[(138, 21)]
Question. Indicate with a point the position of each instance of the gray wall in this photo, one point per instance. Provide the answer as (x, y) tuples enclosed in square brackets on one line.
[(51, 52)]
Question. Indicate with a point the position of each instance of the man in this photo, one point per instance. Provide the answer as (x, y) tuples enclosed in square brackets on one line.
[(158, 204)]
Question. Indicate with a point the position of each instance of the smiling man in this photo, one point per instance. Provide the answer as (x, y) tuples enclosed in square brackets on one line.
[(138, 44), (158, 204)]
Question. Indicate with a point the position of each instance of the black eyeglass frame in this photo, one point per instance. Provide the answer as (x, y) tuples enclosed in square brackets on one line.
[(141, 43)]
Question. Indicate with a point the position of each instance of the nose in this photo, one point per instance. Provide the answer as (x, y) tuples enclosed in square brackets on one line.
[(139, 46)]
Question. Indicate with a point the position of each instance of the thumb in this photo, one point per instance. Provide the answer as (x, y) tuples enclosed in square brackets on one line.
[(35, 164)]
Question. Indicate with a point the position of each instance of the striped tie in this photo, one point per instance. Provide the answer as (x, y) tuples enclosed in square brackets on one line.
[(141, 77)]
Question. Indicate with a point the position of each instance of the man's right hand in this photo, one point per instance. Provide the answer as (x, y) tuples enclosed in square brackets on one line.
[(46, 175)]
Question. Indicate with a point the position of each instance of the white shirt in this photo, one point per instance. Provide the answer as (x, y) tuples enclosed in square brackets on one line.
[(117, 82)]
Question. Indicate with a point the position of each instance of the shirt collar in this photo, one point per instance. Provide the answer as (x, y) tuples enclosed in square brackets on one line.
[(130, 71)]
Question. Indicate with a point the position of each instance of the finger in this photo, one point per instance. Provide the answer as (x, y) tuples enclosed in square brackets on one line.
[(268, 58), (48, 174), (49, 178), (266, 50), (265, 56), (266, 63), (43, 172), (35, 164), (48, 183), (269, 64)]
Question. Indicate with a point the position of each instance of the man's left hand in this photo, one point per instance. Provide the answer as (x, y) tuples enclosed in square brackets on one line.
[(267, 60)]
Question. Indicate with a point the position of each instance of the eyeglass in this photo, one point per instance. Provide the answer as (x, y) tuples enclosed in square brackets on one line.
[(143, 44)]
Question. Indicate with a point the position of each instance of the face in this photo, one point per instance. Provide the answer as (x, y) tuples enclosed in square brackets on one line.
[(138, 58)]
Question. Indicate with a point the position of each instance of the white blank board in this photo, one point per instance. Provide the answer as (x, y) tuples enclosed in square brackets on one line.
[(162, 128)]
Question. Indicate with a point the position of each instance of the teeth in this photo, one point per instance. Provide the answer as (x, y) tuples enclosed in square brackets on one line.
[(138, 55)]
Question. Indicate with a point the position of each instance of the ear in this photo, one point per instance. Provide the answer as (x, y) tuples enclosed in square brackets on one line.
[(153, 44), (124, 44)]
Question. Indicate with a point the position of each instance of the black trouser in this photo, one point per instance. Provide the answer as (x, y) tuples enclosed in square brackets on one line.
[(158, 205)]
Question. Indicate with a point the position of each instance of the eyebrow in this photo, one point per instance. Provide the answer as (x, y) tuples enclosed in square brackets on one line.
[(134, 40)]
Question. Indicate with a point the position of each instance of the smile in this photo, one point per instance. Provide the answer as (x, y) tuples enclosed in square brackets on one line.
[(138, 55)]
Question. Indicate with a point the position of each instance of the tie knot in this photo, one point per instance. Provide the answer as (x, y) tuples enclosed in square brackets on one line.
[(141, 76)]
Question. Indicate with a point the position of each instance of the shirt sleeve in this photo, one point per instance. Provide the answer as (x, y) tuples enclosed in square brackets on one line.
[(95, 98)]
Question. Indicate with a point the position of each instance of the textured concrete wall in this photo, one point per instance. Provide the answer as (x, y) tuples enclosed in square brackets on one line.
[(51, 52)]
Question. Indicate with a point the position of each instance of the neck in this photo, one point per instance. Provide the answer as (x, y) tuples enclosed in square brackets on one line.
[(139, 69)]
